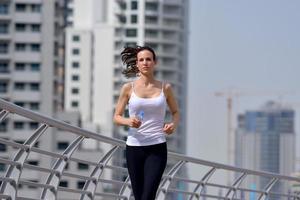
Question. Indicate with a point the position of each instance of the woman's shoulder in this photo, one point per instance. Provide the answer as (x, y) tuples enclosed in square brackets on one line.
[(126, 90), (167, 89), (127, 86), (166, 85)]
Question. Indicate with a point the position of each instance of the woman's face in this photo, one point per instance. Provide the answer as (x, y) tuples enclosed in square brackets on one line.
[(145, 62)]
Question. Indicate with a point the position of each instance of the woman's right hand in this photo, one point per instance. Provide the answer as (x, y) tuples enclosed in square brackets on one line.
[(134, 122)]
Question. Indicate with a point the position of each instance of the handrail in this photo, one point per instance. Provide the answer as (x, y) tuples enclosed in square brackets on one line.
[(56, 172)]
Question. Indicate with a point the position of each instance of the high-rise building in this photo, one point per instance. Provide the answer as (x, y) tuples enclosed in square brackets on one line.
[(29, 69), (31, 76), (265, 140)]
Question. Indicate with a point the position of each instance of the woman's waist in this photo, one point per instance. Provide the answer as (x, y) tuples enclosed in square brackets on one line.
[(150, 126), (146, 130)]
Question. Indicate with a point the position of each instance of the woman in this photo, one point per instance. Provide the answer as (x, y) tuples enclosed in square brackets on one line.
[(147, 98)]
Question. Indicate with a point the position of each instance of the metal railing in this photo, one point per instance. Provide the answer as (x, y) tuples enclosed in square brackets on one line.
[(51, 186)]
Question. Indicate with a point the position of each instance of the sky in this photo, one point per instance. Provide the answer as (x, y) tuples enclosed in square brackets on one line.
[(251, 46)]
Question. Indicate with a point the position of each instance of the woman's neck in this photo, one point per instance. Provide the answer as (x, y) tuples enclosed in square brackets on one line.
[(146, 80)]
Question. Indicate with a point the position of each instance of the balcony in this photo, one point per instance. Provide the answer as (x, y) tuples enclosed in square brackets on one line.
[(174, 2), (5, 35), (28, 17)]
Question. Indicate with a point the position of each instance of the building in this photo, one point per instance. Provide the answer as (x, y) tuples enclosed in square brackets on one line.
[(29, 69), (265, 140), (31, 76)]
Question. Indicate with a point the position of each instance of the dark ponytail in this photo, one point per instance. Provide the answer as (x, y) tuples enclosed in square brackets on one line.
[(129, 58)]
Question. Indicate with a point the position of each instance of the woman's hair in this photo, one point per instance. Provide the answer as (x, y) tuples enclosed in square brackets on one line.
[(129, 58)]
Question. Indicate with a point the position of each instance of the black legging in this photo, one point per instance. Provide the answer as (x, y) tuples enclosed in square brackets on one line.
[(146, 165)]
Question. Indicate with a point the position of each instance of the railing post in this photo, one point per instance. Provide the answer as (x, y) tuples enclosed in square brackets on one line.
[(126, 189), (3, 115), (54, 178), (91, 185), (165, 184), (203, 182), (235, 185), (14, 171), (267, 189)]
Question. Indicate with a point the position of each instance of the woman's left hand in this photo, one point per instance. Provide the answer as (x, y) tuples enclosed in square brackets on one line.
[(169, 128)]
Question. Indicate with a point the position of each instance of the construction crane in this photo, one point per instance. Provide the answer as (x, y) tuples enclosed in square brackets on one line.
[(230, 95)]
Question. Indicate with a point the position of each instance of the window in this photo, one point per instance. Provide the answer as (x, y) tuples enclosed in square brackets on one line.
[(37, 144), (3, 87), (62, 145), (130, 44), (19, 103), (3, 28), (20, 7), (134, 19), (75, 64), (75, 77), (3, 47), (19, 142), (3, 8), (18, 125), (123, 5), (134, 5), (33, 125), (35, 8), (75, 51), (82, 166), (69, 24), (20, 66), (63, 184), (131, 32), (35, 27), (80, 184), (151, 6), (3, 126), (67, 166), (151, 33), (4, 67), (35, 47), (34, 86), (35, 66), (122, 19), (33, 162), (34, 105), (2, 147), (151, 20), (76, 38), (2, 167), (20, 27), (19, 86), (32, 186), (20, 46), (75, 90), (70, 12), (74, 104)]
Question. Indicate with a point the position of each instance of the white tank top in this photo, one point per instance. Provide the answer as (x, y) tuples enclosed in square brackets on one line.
[(152, 111)]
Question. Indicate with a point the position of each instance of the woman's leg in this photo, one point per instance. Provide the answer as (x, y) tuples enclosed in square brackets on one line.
[(154, 167), (135, 157)]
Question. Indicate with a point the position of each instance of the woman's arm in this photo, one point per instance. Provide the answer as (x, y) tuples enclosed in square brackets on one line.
[(171, 101), (120, 107)]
